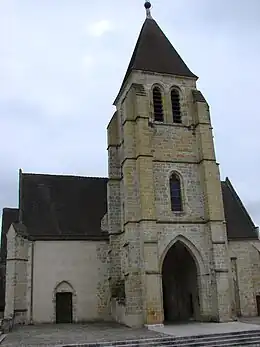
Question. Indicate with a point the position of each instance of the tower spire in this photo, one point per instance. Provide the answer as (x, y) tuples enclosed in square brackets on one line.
[(148, 6), (154, 53)]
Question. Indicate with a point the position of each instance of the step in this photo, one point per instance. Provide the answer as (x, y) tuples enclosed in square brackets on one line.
[(175, 344), (235, 338), (205, 340), (252, 344), (222, 343), (234, 341), (254, 332)]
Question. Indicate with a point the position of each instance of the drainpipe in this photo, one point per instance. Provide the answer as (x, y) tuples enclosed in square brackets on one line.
[(32, 268)]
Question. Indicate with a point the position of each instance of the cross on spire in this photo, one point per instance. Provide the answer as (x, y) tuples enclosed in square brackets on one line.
[(148, 6)]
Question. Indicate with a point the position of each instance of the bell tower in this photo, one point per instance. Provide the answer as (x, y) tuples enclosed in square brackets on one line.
[(165, 206)]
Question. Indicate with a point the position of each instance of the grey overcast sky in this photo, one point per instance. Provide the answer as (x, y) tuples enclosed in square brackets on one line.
[(62, 63)]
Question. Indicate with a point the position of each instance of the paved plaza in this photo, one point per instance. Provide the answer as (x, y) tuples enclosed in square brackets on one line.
[(53, 335)]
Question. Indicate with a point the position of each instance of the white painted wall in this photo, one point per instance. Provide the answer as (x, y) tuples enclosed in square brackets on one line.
[(83, 264)]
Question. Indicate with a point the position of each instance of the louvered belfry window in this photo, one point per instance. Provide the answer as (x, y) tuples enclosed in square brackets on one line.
[(176, 108), (157, 105), (176, 196)]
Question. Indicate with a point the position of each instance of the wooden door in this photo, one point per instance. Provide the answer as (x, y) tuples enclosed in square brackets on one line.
[(64, 307)]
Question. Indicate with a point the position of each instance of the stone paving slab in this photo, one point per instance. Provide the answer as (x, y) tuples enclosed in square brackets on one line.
[(197, 328), (53, 335), (250, 320)]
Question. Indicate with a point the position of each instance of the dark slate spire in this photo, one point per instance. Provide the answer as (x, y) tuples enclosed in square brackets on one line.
[(154, 52)]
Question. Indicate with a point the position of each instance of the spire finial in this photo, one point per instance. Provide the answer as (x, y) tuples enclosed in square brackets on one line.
[(148, 6)]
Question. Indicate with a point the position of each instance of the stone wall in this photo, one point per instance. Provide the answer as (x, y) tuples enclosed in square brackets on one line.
[(16, 277), (2, 287), (246, 254), (21, 279), (192, 194), (115, 213), (10, 273), (148, 152)]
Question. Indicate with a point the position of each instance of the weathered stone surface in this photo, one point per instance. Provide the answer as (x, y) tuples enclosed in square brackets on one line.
[(150, 154)]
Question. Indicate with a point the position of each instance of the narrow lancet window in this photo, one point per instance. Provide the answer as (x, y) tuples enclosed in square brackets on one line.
[(176, 196), (157, 105), (176, 108)]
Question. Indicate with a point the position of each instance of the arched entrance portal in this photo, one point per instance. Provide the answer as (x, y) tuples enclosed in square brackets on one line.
[(180, 287)]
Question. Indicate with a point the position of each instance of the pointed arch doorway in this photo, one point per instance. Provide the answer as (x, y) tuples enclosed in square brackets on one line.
[(180, 285), (64, 302)]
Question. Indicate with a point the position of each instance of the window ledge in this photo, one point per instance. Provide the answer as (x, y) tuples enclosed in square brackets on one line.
[(178, 213), (179, 125)]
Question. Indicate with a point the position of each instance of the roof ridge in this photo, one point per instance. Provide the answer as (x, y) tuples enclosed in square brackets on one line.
[(10, 208), (62, 175)]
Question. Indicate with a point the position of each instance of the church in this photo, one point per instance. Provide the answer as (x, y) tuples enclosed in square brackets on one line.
[(161, 239)]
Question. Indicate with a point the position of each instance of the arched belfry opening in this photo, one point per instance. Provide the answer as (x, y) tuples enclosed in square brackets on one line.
[(180, 285)]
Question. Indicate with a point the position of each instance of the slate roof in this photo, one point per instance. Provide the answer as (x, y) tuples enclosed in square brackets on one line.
[(63, 207), (155, 53), (239, 224)]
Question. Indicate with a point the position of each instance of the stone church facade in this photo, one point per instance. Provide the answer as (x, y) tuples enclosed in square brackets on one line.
[(161, 239)]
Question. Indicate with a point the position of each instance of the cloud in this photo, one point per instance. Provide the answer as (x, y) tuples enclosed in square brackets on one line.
[(59, 77), (88, 61), (100, 28)]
